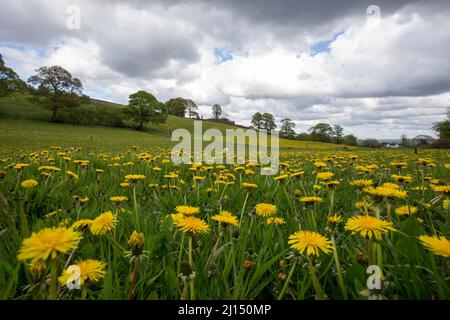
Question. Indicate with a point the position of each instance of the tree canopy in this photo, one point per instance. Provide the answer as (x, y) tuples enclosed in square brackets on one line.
[(287, 129), (9, 80), (143, 107), (216, 111), (59, 86)]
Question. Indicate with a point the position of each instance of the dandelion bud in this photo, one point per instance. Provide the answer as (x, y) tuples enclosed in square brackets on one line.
[(213, 270), (248, 264), (37, 269), (361, 257), (186, 269), (282, 276), (137, 243), (235, 234)]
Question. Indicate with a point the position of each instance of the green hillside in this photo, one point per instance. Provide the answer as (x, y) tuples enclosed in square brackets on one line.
[(25, 124)]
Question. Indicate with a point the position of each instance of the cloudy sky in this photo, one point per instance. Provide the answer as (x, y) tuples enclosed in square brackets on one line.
[(378, 68)]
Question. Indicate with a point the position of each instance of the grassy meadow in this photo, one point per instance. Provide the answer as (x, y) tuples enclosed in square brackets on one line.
[(110, 203)]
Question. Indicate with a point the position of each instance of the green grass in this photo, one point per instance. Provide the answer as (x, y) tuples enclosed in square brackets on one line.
[(25, 124)]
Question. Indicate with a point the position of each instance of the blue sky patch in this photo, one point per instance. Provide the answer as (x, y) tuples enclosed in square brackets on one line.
[(222, 55), (324, 46)]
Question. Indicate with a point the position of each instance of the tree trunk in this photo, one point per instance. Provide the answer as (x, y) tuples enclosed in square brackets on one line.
[(54, 114), (141, 126)]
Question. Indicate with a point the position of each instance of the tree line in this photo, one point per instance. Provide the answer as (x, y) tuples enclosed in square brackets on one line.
[(321, 132)]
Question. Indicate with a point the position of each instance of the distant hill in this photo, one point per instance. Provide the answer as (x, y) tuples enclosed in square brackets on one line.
[(23, 121)]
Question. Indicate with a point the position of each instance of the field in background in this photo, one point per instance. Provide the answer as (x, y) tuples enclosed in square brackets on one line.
[(24, 124)]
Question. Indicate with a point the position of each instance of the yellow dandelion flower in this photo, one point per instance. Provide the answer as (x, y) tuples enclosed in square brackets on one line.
[(334, 219), (249, 185), (405, 210), (265, 209), (445, 204), (310, 200), (361, 183), (325, 175), (275, 220), (437, 244), (187, 210), (47, 243), (49, 168), (72, 175), (401, 178), (192, 225), (368, 226), (90, 269), (118, 199), (311, 242), (282, 177), (81, 224), (104, 223), (384, 192), (30, 183), (226, 218), (136, 242), (443, 189), (134, 177)]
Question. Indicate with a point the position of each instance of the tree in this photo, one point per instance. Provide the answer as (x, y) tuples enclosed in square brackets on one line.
[(268, 121), (9, 80), (303, 136), (216, 111), (370, 143), (321, 132), (192, 108), (257, 121), (422, 140), (350, 140), (58, 86), (287, 129), (176, 107), (143, 107), (405, 141), (337, 133)]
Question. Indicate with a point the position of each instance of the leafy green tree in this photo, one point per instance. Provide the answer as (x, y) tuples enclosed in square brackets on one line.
[(9, 80), (216, 111), (442, 128), (268, 121), (287, 129), (176, 107), (58, 86), (405, 142), (143, 107), (350, 140), (191, 108), (321, 132), (257, 121), (338, 133), (303, 136)]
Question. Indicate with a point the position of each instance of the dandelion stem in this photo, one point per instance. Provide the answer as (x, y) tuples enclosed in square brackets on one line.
[(339, 269), (243, 207), (136, 216), (53, 278), (83, 293), (319, 293), (180, 254)]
